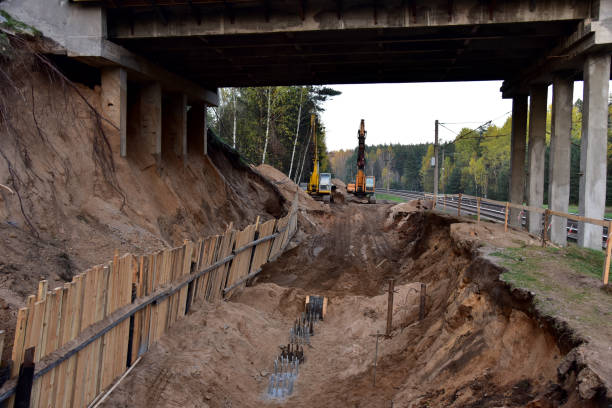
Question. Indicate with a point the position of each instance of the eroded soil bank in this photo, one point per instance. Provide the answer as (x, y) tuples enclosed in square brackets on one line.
[(480, 344)]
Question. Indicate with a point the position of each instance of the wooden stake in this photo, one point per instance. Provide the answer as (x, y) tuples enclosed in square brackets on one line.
[(545, 229), (606, 272), (422, 303), (478, 210), (506, 218), (459, 206), (390, 308)]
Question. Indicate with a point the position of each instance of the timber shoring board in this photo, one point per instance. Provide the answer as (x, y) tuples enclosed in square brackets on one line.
[(81, 331)]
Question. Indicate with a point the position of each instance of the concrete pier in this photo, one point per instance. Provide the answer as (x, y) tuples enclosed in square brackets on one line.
[(559, 171), (174, 124), (151, 117), (593, 148), (196, 125), (536, 154), (517, 155), (114, 106)]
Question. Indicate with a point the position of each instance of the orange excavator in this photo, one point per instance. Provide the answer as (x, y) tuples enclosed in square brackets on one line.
[(363, 185)]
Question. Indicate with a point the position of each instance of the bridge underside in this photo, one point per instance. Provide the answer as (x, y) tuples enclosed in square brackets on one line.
[(416, 54)]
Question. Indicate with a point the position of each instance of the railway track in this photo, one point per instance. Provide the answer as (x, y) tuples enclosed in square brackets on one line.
[(489, 211)]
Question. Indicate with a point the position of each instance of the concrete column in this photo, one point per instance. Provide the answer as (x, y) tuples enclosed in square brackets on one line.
[(593, 148), (174, 123), (196, 121), (114, 105), (151, 117), (517, 155), (559, 163), (536, 154)]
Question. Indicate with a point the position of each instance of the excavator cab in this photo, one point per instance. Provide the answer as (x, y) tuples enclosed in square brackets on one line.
[(369, 184)]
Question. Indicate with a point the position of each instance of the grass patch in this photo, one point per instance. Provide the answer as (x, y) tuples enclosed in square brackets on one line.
[(397, 199)]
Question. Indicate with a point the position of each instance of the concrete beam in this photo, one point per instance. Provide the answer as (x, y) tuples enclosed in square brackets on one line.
[(593, 148), (151, 117), (536, 154), (324, 16), (559, 163), (114, 106), (517, 155)]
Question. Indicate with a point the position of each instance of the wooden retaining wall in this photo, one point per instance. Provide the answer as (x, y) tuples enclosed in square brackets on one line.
[(88, 333)]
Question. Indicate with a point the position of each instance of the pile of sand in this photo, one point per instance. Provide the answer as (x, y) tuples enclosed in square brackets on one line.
[(288, 188), (397, 213)]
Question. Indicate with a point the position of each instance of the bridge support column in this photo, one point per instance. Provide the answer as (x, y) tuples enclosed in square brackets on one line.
[(559, 163), (593, 148), (517, 155), (151, 118), (174, 123), (196, 125), (536, 154), (114, 106)]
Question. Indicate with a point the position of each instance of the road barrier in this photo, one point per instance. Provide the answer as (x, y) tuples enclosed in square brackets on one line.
[(493, 213), (86, 334)]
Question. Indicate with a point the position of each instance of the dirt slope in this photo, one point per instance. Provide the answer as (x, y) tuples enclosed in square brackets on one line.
[(76, 201)]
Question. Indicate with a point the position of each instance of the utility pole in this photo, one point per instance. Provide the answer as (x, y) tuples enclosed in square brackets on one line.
[(436, 167)]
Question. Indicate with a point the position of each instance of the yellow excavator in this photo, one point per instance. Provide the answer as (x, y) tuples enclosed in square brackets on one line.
[(320, 184), (363, 185)]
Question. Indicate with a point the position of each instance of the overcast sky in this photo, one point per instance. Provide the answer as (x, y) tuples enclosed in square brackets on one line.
[(405, 113)]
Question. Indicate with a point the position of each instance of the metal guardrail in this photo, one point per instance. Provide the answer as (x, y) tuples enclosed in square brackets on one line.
[(495, 212)]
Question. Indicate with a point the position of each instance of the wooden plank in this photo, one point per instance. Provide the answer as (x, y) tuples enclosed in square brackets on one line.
[(38, 392), (78, 288), (43, 286), (64, 333), (103, 341), (38, 328), (47, 397), (82, 363), (19, 341)]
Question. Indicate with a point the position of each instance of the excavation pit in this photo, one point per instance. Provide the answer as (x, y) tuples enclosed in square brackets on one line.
[(480, 344)]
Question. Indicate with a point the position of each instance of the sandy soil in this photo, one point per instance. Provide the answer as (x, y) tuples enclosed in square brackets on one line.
[(478, 346), (76, 202)]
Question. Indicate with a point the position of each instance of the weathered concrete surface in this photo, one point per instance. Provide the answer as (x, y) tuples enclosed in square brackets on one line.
[(174, 124), (114, 106), (196, 125), (316, 16), (593, 148), (536, 154), (151, 117), (559, 171), (517, 155)]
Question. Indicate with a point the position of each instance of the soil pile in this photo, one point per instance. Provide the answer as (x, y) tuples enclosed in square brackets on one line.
[(288, 188)]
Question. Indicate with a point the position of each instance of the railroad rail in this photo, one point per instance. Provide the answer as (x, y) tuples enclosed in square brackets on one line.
[(491, 211)]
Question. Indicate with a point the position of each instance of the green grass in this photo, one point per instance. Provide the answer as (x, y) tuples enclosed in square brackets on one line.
[(381, 196)]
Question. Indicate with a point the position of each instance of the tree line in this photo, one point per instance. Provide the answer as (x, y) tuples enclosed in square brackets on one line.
[(476, 162), (271, 125)]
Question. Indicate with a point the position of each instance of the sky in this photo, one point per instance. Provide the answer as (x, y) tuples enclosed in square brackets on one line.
[(405, 113)]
